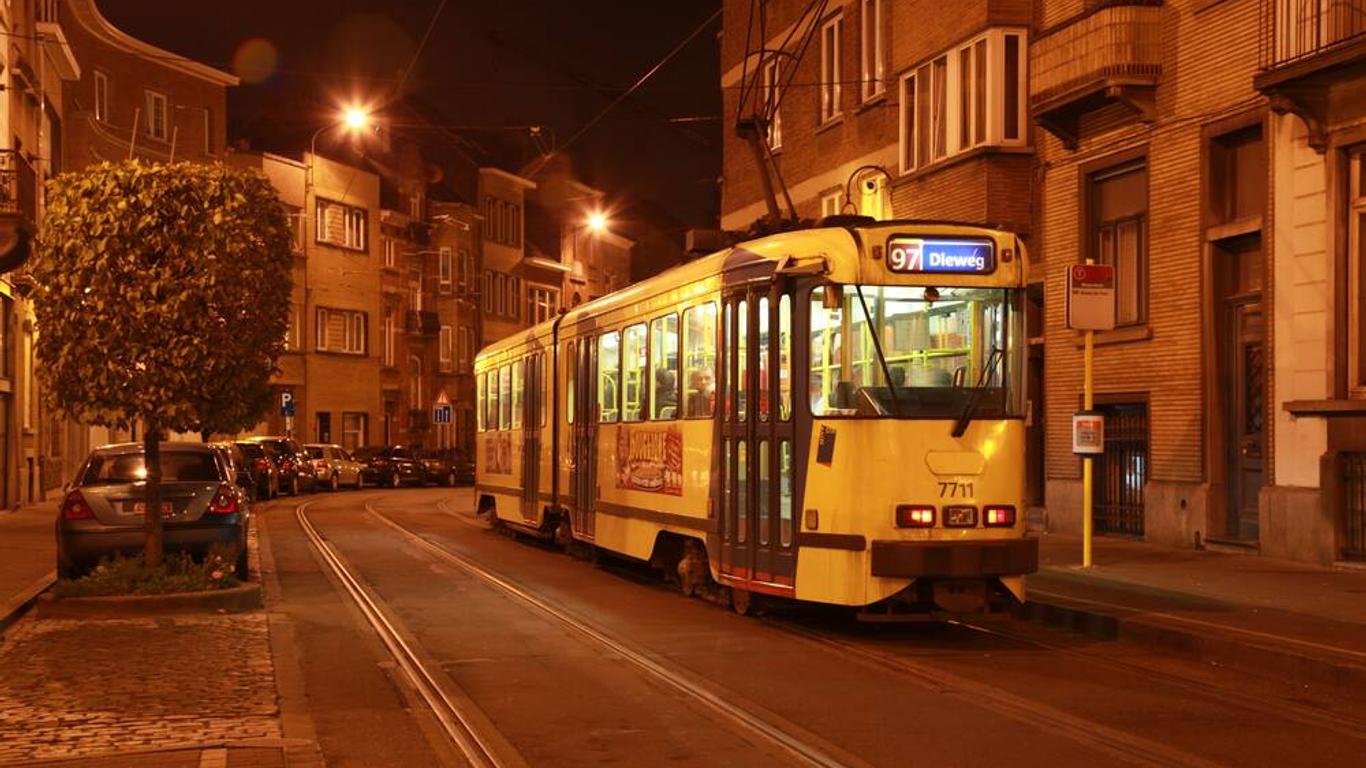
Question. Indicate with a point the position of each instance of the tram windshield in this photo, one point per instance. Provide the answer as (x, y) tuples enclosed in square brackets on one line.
[(944, 351)]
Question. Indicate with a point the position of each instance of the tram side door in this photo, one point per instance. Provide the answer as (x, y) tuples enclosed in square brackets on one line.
[(584, 476), (531, 437), (757, 529)]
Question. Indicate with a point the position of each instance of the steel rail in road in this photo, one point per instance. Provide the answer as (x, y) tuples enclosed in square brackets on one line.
[(1341, 723), (453, 720), (1125, 746), (799, 750)]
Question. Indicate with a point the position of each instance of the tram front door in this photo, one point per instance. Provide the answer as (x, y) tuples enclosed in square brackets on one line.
[(755, 495)]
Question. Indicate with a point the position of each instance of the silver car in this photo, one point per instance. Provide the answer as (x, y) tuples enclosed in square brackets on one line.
[(104, 508), (335, 466)]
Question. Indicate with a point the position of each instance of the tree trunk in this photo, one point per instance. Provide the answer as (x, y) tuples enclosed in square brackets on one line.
[(151, 442)]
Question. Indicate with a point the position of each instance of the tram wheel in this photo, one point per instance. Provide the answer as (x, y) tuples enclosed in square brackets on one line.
[(741, 601)]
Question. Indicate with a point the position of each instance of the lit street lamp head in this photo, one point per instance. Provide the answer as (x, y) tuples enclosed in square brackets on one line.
[(355, 118), (597, 222)]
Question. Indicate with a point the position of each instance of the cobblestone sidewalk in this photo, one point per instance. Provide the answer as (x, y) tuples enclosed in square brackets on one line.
[(91, 687)]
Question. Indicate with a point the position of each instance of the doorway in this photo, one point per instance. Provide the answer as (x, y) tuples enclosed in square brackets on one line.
[(1241, 378)]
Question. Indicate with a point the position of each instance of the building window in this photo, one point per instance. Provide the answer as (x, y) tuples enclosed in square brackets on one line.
[(466, 273), (414, 382), (157, 115), (1118, 215), (101, 96), (322, 426), (488, 292), (389, 249), (513, 303), (771, 96), (447, 347), (830, 68), (341, 330), (466, 348), (294, 331), (871, 55), (1356, 231), (341, 225), (541, 303), (446, 267), (831, 203), (355, 430), (388, 331), (986, 109)]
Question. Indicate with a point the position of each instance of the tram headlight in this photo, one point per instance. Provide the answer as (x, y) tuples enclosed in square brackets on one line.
[(914, 516), (1000, 516)]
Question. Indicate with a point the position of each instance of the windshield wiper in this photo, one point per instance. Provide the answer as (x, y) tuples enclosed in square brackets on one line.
[(877, 347), (975, 396)]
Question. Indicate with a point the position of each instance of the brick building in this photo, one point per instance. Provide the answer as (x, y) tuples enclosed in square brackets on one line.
[(39, 68), (1208, 149)]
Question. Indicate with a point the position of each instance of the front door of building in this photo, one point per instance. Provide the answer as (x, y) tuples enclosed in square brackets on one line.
[(1242, 382)]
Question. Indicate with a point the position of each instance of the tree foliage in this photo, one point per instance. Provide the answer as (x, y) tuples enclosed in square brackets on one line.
[(163, 295)]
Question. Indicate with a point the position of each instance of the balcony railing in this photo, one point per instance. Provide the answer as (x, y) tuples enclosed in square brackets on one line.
[(1295, 30), (423, 323), (18, 186), (1115, 41)]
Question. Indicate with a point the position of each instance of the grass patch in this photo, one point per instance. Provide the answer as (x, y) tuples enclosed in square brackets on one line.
[(179, 572)]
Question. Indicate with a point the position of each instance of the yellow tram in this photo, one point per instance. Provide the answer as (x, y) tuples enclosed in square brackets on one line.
[(832, 415)]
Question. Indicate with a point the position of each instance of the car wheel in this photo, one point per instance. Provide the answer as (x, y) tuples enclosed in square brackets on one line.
[(294, 486), (360, 481), (450, 479), (394, 480), (242, 571)]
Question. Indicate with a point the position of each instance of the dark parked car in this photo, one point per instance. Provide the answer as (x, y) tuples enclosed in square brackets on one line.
[(104, 508), (445, 466), (238, 467), (265, 476), (390, 466), (296, 468)]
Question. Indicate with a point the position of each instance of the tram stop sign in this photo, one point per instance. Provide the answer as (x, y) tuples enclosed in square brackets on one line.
[(1091, 297), (441, 413)]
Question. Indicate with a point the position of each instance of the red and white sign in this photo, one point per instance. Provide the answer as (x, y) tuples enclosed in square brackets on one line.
[(1091, 297), (1088, 433)]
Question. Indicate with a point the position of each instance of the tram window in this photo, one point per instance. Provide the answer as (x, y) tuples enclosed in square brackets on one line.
[(634, 369), (609, 376), (491, 417), (699, 360), (785, 522), (785, 358), (765, 344), (505, 397), (546, 376), (570, 366), (517, 381), (741, 359), (479, 400), (741, 493), (729, 501), (763, 493), (664, 367)]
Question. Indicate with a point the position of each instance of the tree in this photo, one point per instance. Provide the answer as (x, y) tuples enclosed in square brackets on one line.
[(163, 297)]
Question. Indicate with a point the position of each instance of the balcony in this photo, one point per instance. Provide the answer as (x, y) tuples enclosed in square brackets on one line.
[(1110, 55), (18, 208), (423, 323), (1306, 47)]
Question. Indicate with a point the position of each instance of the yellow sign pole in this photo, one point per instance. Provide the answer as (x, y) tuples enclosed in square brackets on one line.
[(1087, 488)]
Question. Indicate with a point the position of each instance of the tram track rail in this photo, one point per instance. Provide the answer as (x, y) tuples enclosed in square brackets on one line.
[(800, 749), (468, 737)]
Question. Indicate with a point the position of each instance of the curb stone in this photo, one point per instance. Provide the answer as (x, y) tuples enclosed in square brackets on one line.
[(232, 600)]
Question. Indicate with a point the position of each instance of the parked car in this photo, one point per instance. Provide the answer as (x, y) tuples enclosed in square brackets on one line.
[(444, 466), (335, 466), (103, 510), (238, 467), (296, 469), (265, 476), (390, 466)]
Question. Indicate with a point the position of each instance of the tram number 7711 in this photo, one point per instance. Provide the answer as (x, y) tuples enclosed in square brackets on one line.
[(953, 489)]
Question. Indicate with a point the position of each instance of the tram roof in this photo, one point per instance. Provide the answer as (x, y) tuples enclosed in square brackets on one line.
[(839, 246)]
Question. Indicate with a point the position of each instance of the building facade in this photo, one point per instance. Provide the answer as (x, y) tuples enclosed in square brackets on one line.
[(1209, 150)]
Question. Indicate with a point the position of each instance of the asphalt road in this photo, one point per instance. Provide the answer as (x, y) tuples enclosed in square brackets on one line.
[(556, 661)]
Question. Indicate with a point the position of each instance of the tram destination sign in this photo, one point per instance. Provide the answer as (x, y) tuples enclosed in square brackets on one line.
[(965, 256)]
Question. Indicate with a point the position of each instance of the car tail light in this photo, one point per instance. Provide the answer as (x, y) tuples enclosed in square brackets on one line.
[(286, 465), (1001, 516), (75, 508), (224, 502), (380, 462), (263, 463), (914, 516)]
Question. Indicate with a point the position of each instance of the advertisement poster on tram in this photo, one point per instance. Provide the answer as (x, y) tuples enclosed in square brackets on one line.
[(650, 459), (498, 453)]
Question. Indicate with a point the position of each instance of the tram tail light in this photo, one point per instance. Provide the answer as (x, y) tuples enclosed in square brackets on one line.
[(1001, 516), (914, 516)]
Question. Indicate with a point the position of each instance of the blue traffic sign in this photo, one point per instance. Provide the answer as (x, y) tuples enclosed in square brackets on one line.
[(287, 403), (441, 413)]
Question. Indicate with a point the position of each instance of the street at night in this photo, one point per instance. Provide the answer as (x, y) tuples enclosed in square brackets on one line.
[(722, 383)]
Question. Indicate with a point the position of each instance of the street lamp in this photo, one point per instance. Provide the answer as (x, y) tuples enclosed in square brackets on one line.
[(353, 119), (597, 222)]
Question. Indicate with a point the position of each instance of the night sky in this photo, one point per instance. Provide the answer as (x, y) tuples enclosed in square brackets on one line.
[(490, 67)]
